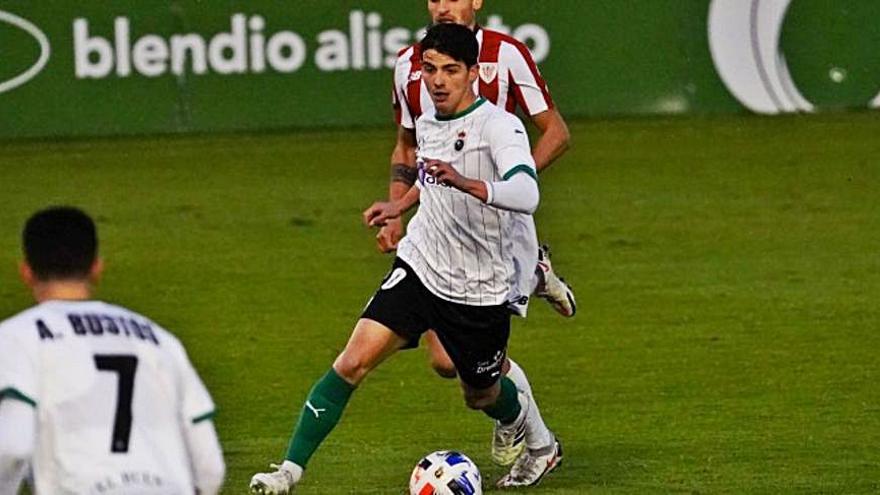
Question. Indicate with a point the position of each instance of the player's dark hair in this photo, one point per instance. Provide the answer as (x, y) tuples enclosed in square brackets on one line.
[(455, 40), (60, 243)]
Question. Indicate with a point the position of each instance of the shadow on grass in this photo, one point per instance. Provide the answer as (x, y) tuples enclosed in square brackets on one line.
[(584, 467)]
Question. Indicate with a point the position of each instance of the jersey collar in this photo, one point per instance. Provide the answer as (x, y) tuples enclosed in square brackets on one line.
[(476, 104)]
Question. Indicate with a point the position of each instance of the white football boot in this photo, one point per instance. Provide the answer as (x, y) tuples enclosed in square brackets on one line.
[(553, 288), (509, 441), (279, 482), (531, 467)]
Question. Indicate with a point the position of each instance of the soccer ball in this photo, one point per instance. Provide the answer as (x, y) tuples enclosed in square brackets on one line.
[(445, 472)]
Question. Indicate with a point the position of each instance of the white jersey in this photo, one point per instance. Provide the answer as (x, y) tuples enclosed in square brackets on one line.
[(510, 79), (112, 392), (460, 247)]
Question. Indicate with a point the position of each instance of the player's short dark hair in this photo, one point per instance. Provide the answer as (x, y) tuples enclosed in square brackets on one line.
[(60, 243), (455, 40)]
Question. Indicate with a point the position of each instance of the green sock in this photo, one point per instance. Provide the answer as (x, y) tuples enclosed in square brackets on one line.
[(506, 409), (319, 415)]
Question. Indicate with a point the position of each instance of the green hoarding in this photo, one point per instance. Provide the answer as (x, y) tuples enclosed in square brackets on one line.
[(88, 68)]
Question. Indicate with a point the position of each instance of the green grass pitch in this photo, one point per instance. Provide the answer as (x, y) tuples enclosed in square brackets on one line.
[(727, 270)]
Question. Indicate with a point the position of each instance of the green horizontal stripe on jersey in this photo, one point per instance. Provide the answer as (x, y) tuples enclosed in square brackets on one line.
[(522, 167), (204, 417), (14, 393), (462, 113)]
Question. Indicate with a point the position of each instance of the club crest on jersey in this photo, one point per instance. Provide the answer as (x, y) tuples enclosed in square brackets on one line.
[(488, 71), (459, 143)]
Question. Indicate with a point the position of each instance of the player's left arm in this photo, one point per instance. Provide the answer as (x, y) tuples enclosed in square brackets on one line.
[(517, 189), (196, 416), (554, 140), (534, 98), (206, 456)]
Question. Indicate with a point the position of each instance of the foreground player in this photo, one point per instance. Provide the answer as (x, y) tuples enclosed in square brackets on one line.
[(510, 79), (94, 397), (452, 272)]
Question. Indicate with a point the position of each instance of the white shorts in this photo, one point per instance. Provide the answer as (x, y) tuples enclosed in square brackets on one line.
[(525, 260)]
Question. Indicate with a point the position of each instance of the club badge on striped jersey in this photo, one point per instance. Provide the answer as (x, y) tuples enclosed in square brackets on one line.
[(459, 143), (488, 71)]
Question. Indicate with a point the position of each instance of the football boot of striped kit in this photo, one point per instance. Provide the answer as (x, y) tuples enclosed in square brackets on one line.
[(554, 289)]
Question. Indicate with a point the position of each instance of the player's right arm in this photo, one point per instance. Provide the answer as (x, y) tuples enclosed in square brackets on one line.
[(18, 417), (380, 213), (403, 177), (17, 438), (403, 157)]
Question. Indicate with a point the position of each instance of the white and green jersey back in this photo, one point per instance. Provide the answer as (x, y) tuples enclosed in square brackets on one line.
[(460, 247), (112, 392)]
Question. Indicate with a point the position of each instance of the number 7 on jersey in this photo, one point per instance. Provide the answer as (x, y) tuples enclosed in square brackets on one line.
[(125, 366)]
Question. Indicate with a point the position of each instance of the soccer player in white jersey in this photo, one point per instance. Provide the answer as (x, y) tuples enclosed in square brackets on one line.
[(510, 79), (94, 398), (453, 272)]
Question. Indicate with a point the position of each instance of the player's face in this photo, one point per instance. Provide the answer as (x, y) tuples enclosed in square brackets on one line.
[(462, 12), (449, 82)]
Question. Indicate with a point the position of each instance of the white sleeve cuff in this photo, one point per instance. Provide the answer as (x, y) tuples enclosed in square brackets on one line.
[(518, 193)]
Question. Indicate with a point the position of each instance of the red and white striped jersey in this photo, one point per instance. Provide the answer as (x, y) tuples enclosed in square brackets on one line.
[(508, 78)]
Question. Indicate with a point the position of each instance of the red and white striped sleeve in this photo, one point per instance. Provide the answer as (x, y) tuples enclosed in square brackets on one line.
[(526, 82), (395, 100), (402, 69)]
